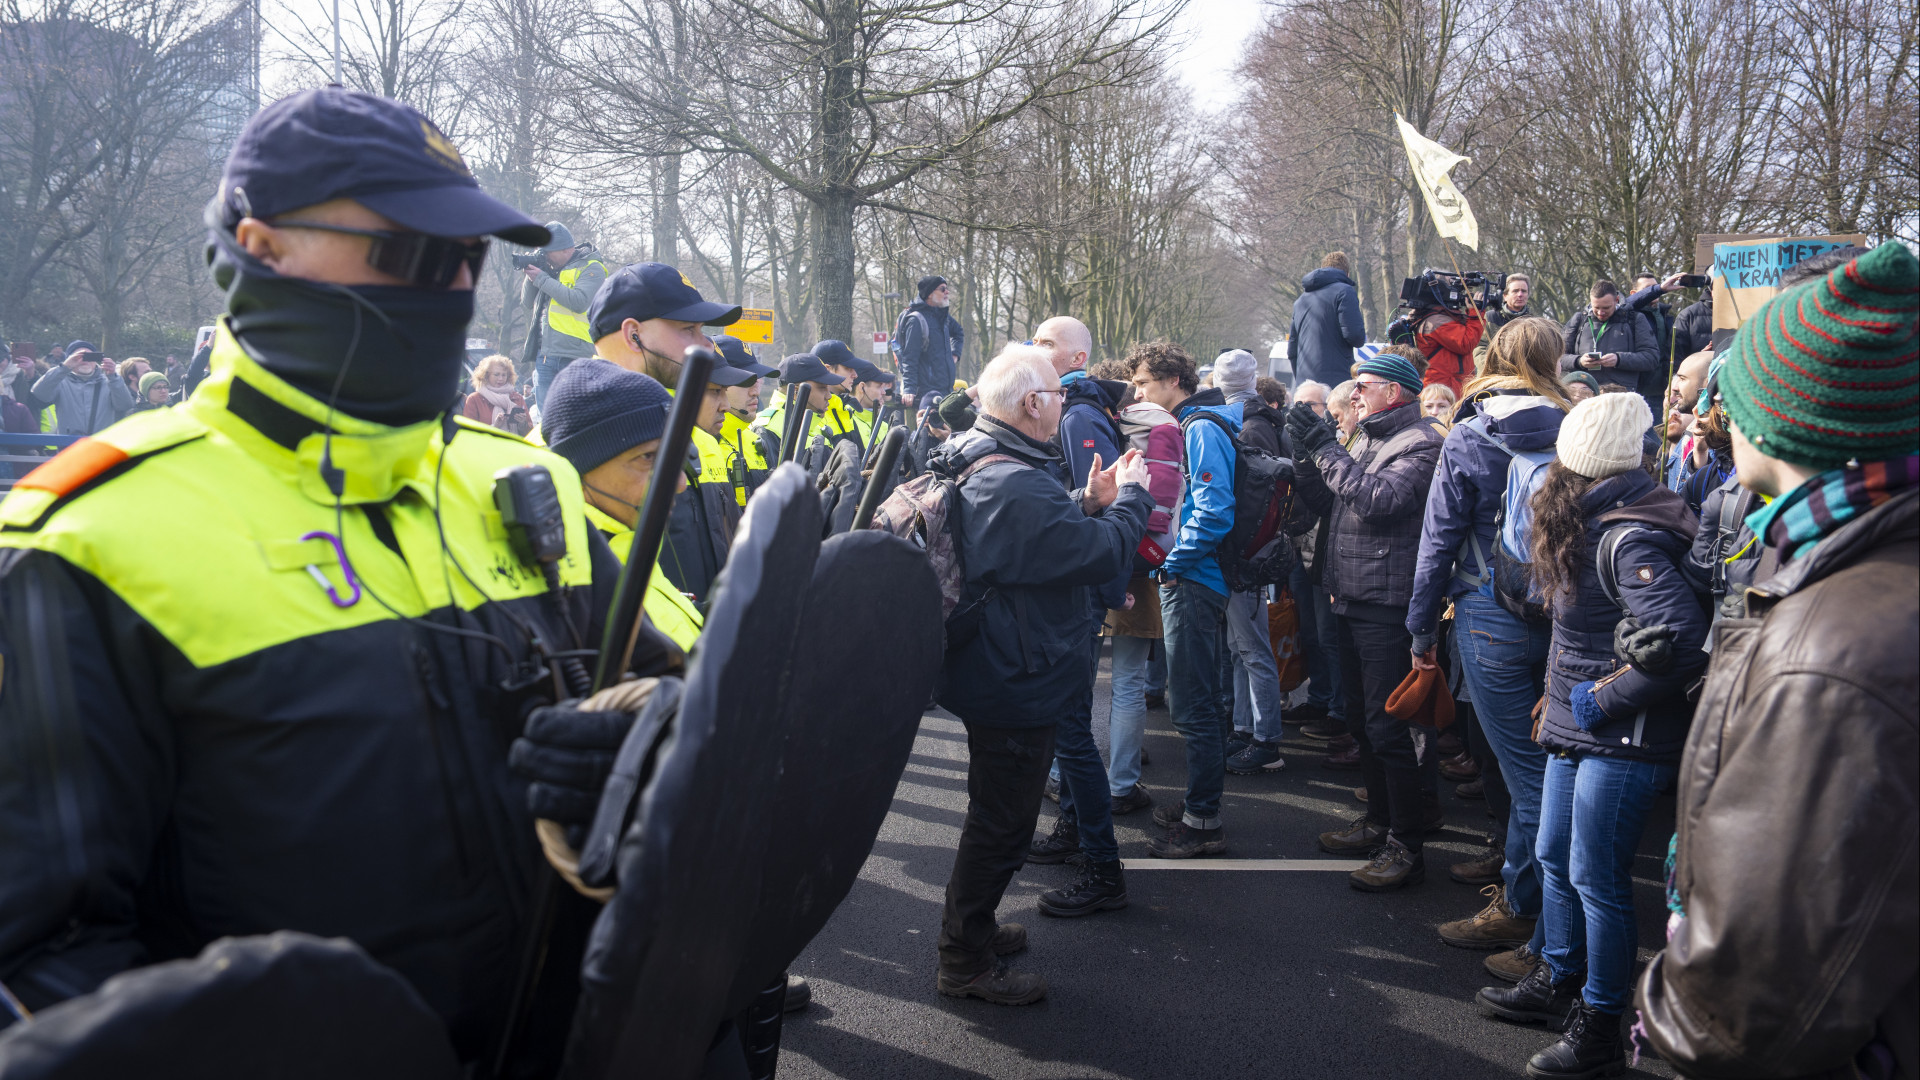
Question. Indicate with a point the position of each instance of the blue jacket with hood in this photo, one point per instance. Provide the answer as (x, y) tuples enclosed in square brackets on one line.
[(1086, 429), (1206, 513), (1468, 487), (1327, 327)]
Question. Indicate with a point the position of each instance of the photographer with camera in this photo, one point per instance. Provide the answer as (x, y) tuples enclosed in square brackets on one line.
[(561, 278), (1613, 345), (1443, 318)]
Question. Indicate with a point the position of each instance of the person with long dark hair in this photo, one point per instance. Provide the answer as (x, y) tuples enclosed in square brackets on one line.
[(1607, 546)]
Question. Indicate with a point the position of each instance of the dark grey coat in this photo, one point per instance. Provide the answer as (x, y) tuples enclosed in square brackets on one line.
[(1374, 501)]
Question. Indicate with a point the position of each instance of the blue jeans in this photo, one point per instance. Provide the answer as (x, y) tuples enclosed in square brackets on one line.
[(1127, 720), (1083, 776), (1256, 679), (1157, 668), (1321, 639), (545, 370), (1194, 619), (1505, 661), (1592, 813)]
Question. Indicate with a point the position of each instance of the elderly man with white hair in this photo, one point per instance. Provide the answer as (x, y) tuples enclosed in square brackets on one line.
[(1017, 662)]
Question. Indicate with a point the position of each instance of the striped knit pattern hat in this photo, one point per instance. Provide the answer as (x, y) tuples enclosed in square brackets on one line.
[(1829, 371)]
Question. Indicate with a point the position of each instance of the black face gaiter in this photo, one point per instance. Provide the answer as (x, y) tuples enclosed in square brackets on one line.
[(402, 347)]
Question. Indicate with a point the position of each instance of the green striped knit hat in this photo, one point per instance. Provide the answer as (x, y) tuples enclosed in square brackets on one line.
[(1829, 371)]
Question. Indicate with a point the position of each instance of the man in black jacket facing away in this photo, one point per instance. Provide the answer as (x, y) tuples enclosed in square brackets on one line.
[(1016, 649), (1327, 323)]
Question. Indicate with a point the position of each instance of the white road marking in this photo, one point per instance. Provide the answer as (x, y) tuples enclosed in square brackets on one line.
[(1342, 865)]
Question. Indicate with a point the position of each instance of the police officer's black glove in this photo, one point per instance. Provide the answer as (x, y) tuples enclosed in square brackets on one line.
[(566, 753), (1649, 648), (1308, 432)]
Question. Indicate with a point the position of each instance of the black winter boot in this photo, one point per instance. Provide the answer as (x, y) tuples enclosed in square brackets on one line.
[(1592, 1047), (1535, 999), (1057, 846), (1100, 887)]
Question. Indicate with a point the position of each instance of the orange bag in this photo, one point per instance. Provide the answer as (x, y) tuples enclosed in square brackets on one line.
[(1422, 698), (1283, 634)]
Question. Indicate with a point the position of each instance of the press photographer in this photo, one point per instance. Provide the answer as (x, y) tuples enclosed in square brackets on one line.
[(562, 278), (1442, 316)]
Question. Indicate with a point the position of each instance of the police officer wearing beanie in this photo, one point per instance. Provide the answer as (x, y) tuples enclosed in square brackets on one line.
[(262, 649), (562, 286), (644, 319)]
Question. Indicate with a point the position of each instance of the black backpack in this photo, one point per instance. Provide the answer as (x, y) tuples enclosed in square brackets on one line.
[(1256, 551)]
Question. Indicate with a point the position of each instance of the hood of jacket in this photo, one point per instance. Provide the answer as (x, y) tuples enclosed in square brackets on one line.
[(1521, 420), (1323, 277), (1384, 426), (1101, 393), (933, 312), (1633, 496), (991, 436), (1213, 401)]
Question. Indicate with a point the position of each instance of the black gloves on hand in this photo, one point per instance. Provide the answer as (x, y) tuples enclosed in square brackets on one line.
[(566, 754), (1308, 432), (1648, 648)]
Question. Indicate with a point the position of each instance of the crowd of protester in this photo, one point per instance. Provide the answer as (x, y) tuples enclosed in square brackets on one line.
[(1565, 567)]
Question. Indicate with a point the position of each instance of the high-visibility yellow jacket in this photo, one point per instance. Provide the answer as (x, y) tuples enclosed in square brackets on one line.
[(671, 613)]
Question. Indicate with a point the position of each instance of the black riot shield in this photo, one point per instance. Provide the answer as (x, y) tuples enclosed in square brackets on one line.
[(286, 1005), (848, 736), (664, 952)]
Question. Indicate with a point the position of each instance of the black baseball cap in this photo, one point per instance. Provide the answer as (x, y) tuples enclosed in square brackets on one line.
[(333, 143), (835, 353), (725, 374), (734, 352), (652, 290), (865, 370), (806, 367)]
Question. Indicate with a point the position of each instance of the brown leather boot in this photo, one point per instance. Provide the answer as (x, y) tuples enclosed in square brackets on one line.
[(1495, 927)]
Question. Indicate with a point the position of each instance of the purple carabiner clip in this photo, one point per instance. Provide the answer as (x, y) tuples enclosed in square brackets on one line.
[(346, 568)]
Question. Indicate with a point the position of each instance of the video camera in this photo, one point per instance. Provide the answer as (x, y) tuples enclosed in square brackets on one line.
[(1437, 290), (530, 258)]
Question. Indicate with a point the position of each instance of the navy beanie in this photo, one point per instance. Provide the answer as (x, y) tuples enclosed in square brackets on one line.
[(597, 410), (930, 283)]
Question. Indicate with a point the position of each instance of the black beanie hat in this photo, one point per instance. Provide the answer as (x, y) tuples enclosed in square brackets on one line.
[(930, 283), (597, 410)]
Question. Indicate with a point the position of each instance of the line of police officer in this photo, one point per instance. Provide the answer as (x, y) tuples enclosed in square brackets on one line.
[(262, 655)]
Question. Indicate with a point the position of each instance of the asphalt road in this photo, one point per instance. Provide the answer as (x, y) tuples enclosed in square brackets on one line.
[(1208, 973)]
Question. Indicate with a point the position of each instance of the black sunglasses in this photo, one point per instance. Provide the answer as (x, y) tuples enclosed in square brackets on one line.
[(430, 262)]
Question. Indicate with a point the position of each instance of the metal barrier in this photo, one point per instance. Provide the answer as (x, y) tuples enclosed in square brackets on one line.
[(16, 460)]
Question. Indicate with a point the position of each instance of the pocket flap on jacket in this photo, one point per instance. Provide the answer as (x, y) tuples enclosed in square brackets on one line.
[(1360, 547)]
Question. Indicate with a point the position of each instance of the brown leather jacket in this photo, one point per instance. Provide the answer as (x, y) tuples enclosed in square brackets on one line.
[(1797, 810)]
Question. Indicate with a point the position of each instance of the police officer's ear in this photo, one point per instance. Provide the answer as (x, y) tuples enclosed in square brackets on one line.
[(263, 241)]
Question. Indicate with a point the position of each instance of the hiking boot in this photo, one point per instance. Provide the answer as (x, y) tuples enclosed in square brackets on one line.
[(1512, 965), (1237, 742), (1344, 754), (1324, 728), (799, 994), (1183, 841), (1256, 757), (1495, 927), (1459, 769), (1472, 789), (1483, 871), (1131, 801), (1053, 789), (1392, 867), (1592, 1047), (1054, 847), (1533, 1000), (1008, 938), (1001, 985), (1169, 815), (1362, 835), (1100, 887)]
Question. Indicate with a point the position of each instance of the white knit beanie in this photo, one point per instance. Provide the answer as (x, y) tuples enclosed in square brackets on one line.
[(1602, 435), (1235, 372)]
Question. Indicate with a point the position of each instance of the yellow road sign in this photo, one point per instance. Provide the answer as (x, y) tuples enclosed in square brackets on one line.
[(755, 326)]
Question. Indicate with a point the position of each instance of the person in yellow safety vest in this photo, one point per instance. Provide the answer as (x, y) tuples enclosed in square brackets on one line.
[(646, 316), (608, 423), (262, 648), (752, 461), (562, 290), (829, 421), (870, 386)]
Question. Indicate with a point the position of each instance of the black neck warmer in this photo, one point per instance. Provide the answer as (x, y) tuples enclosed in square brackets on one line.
[(401, 348)]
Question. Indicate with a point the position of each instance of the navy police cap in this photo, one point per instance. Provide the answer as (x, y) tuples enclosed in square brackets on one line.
[(806, 367), (865, 370), (734, 351), (834, 353), (333, 143), (652, 290)]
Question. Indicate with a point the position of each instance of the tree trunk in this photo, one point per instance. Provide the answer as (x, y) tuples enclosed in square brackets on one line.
[(666, 211), (833, 263)]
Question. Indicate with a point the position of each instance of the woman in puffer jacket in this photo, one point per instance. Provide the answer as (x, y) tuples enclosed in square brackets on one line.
[(1606, 540)]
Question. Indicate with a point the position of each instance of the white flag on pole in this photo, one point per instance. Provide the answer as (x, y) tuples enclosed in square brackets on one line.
[(1431, 162)]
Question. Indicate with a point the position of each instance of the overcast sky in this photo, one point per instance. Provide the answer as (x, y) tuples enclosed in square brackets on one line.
[(1218, 31)]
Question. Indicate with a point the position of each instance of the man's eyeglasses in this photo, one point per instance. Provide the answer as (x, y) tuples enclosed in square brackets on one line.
[(429, 262), (1372, 385)]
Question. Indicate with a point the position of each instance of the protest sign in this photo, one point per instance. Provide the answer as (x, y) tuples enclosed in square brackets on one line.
[(1748, 271)]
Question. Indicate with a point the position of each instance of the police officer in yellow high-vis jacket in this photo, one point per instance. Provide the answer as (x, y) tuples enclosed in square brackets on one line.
[(753, 457), (263, 652), (645, 317), (828, 420), (564, 288)]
